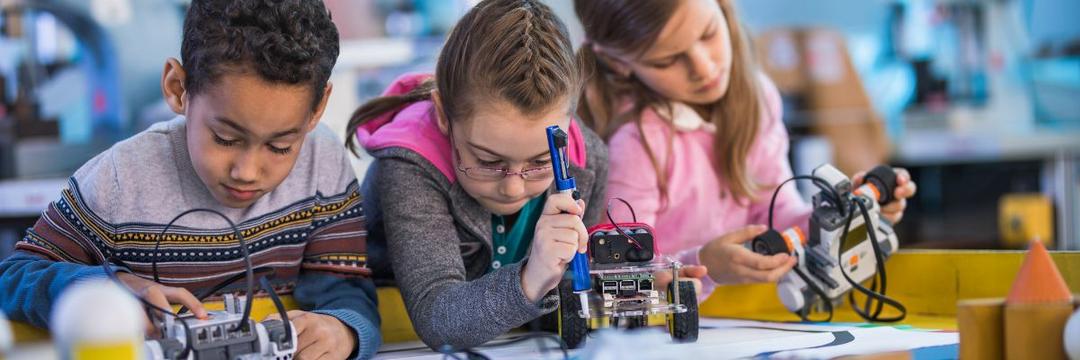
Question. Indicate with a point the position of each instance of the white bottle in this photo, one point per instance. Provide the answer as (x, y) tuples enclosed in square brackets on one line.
[(98, 319), (1072, 336)]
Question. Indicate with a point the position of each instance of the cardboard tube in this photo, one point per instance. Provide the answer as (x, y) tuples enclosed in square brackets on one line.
[(981, 331), (1035, 331)]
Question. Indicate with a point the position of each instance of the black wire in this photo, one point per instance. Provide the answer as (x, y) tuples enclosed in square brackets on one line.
[(618, 228), (471, 353), (248, 275), (544, 349), (243, 249), (535, 336), (447, 351), (880, 297), (829, 193), (633, 215), (147, 304), (831, 196), (804, 313), (880, 257), (869, 301), (280, 308), (221, 285)]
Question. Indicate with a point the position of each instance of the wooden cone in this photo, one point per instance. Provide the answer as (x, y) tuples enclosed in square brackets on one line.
[(1038, 280), (1038, 305)]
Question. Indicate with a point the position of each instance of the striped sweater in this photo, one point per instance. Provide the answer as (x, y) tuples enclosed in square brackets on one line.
[(310, 230)]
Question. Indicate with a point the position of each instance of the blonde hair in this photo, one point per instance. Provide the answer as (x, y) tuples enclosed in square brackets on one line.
[(632, 27), (513, 50)]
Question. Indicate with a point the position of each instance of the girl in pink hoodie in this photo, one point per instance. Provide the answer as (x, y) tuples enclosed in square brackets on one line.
[(459, 201), (696, 139)]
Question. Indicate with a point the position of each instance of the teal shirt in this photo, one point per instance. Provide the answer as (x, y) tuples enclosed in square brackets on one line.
[(511, 243)]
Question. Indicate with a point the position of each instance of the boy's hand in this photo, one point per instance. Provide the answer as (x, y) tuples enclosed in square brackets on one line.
[(905, 188), (559, 235), (320, 336), (694, 273), (729, 262), (162, 296)]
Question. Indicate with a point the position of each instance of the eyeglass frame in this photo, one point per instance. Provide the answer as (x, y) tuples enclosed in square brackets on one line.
[(526, 174)]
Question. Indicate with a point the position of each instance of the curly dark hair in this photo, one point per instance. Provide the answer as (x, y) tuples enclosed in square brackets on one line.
[(283, 41)]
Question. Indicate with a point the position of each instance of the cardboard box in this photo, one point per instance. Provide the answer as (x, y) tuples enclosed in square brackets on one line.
[(812, 68)]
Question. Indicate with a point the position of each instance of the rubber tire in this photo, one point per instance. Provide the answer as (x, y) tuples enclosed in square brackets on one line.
[(572, 328), (547, 323), (683, 327), (636, 322)]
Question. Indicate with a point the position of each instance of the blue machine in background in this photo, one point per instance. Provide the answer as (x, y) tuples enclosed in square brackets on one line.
[(96, 92), (1055, 70)]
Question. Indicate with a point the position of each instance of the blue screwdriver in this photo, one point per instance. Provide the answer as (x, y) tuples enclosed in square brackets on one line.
[(579, 266)]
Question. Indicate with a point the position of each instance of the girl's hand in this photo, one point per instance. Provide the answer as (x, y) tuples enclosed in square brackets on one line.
[(905, 188), (560, 234), (694, 273), (320, 336), (729, 262)]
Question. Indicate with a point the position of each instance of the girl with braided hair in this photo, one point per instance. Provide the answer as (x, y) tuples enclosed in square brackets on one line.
[(460, 199)]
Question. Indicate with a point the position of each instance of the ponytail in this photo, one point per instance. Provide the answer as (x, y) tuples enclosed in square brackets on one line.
[(382, 105)]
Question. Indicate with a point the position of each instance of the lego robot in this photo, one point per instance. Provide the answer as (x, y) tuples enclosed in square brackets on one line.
[(623, 263), (615, 279)]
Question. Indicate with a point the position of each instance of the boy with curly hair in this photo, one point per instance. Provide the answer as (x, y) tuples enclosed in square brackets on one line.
[(248, 92)]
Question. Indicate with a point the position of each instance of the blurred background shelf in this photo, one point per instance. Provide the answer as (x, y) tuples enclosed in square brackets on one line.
[(27, 198), (979, 99)]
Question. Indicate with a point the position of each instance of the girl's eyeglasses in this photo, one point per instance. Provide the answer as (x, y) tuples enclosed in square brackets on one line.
[(482, 173), (495, 174)]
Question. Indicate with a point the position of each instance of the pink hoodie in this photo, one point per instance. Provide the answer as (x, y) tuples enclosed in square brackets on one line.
[(416, 127), (696, 211)]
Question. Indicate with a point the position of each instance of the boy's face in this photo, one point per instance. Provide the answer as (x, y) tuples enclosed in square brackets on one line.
[(244, 134)]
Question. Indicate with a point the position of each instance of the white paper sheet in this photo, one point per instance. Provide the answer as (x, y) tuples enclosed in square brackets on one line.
[(718, 339)]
